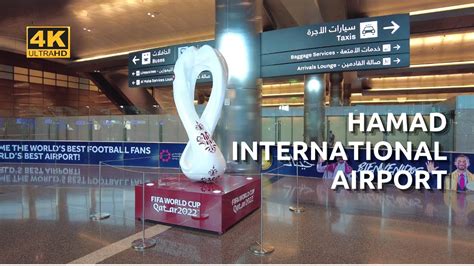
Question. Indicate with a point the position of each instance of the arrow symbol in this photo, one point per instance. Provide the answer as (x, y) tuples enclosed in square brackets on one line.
[(394, 27), (133, 73), (135, 59), (397, 47), (133, 82), (397, 60)]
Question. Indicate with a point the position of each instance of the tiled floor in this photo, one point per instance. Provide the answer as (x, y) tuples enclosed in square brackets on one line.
[(44, 218)]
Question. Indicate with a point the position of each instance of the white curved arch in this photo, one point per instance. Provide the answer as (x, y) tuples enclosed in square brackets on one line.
[(202, 159)]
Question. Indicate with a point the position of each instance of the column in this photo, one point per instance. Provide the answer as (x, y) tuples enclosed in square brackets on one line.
[(346, 95), (314, 114), (238, 25), (335, 91)]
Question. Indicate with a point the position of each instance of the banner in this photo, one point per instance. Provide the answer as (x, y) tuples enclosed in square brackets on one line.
[(71, 152)]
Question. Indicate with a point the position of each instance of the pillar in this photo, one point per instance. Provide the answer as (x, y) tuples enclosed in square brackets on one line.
[(335, 90), (346, 95), (238, 25), (314, 114)]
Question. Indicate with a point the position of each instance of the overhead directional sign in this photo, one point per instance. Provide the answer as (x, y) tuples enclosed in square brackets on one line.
[(154, 67), (354, 50), (350, 45), (334, 65), (155, 57), (153, 71), (162, 80), (364, 30)]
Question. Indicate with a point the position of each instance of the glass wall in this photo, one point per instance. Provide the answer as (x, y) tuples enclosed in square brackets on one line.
[(140, 128), (277, 125)]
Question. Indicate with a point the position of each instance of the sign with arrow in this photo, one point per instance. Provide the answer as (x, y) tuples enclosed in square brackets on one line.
[(336, 65), (143, 78), (154, 67), (350, 45), (335, 46), (135, 60), (344, 51), (394, 27), (353, 31), (154, 57)]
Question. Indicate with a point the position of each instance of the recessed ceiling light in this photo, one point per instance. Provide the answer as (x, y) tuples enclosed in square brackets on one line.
[(153, 14)]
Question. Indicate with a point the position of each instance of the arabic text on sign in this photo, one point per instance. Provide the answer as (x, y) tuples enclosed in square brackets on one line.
[(162, 52)]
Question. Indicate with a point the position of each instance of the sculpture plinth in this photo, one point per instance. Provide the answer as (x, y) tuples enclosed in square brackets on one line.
[(215, 207)]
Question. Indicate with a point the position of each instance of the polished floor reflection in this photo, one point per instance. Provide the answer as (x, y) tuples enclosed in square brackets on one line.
[(44, 218)]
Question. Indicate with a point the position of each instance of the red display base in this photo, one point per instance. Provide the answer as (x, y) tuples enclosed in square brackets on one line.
[(215, 207)]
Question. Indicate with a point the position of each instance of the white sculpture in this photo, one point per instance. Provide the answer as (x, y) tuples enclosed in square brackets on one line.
[(202, 159)]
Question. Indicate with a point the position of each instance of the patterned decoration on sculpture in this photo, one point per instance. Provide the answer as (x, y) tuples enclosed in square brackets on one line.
[(199, 126), (206, 140)]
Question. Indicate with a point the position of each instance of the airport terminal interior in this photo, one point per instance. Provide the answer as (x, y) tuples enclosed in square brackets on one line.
[(86, 212)]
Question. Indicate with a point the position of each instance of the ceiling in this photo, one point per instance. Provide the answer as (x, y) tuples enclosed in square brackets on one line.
[(372, 8), (115, 25), (111, 27), (118, 26)]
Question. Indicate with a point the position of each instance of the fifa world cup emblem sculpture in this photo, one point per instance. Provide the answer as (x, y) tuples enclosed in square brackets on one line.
[(202, 159)]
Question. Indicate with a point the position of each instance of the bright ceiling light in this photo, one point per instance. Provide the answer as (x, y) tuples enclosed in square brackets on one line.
[(443, 64), (445, 39), (283, 94), (397, 101), (437, 76), (401, 99), (282, 104), (153, 14), (441, 9), (423, 88), (374, 100), (293, 84)]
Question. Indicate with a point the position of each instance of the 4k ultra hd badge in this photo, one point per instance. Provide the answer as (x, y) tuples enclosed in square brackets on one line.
[(48, 42)]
